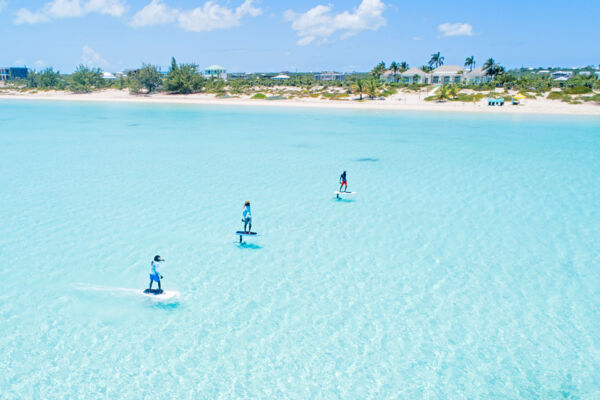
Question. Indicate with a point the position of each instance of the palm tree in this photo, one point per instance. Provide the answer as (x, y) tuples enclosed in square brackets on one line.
[(379, 69), (470, 62), (403, 66), (372, 88), (453, 92), (492, 69), (394, 67), (360, 87), (436, 59), (443, 95)]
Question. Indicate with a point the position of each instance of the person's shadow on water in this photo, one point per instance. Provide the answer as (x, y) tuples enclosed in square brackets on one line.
[(249, 246)]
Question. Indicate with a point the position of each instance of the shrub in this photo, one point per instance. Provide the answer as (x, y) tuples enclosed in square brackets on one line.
[(578, 90), (556, 96), (276, 97), (259, 96)]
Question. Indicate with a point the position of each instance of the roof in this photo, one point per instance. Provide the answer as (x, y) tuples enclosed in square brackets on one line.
[(281, 76), (215, 67), (413, 71), (448, 69), (476, 72)]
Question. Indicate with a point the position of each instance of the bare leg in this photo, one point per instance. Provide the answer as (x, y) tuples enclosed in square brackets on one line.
[(150, 284)]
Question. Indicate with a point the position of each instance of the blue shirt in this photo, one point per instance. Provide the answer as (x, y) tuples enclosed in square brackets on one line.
[(246, 213)]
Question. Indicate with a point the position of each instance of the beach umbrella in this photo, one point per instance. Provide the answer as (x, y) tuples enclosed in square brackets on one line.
[(520, 96)]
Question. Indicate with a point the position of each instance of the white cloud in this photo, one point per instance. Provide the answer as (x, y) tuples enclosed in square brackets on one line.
[(155, 13), (91, 58), (40, 64), (56, 9), (319, 23), (457, 29), (208, 17)]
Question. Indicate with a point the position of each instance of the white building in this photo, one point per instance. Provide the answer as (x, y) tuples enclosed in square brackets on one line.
[(447, 74), (108, 76), (584, 73), (281, 77), (414, 75), (330, 76), (478, 75), (561, 75), (215, 71)]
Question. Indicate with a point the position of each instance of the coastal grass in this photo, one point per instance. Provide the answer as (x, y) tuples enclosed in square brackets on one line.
[(259, 96)]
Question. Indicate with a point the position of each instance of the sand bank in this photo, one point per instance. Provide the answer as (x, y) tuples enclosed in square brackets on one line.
[(399, 102)]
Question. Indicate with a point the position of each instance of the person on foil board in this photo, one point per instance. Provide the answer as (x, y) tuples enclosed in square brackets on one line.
[(155, 276), (247, 217), (343, 182)]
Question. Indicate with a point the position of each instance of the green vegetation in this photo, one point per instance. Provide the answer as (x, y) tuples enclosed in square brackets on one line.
[(46, 79), (436, 60), (183, 79), (578, 90), (147, 78), (470, 63), (359, 87), (187, 78), (86, 79)]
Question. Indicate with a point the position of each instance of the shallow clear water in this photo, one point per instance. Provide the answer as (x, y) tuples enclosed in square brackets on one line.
[(466, 266)]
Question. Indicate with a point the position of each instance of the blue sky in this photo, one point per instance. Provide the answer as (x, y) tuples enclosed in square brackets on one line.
[(308, 35)]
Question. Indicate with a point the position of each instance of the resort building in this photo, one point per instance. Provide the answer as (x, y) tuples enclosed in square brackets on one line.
[(444, 75), (584, 73), (414, 75), (13, 73), (281, 77), (108, 76), (561, 75), (330, 76), (447, 74), (476, 76), (215, 71)]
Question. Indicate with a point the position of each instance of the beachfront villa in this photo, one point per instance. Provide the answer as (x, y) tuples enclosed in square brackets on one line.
[(414, 75), (561, 75), (444, 75), (447, 74), (281, 77), (108, 76), (215, 71), (477, 76), (330, 76)]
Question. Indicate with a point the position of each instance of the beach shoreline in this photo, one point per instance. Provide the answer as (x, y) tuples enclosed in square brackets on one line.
[(399, 102)]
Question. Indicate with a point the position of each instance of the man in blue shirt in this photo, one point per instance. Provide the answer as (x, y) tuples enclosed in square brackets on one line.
[(247, 217), (154, 275)]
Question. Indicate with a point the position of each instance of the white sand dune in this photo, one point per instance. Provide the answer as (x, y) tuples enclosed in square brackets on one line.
[(400, 101)]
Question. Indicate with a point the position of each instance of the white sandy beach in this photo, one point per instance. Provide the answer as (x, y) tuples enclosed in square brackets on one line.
[(408, 101)]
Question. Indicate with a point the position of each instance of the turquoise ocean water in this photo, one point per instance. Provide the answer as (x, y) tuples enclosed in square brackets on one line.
[(466, 266)]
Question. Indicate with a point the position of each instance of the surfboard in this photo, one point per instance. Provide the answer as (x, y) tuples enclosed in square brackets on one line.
[(343, 193), (162, 296), (241, 234)]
